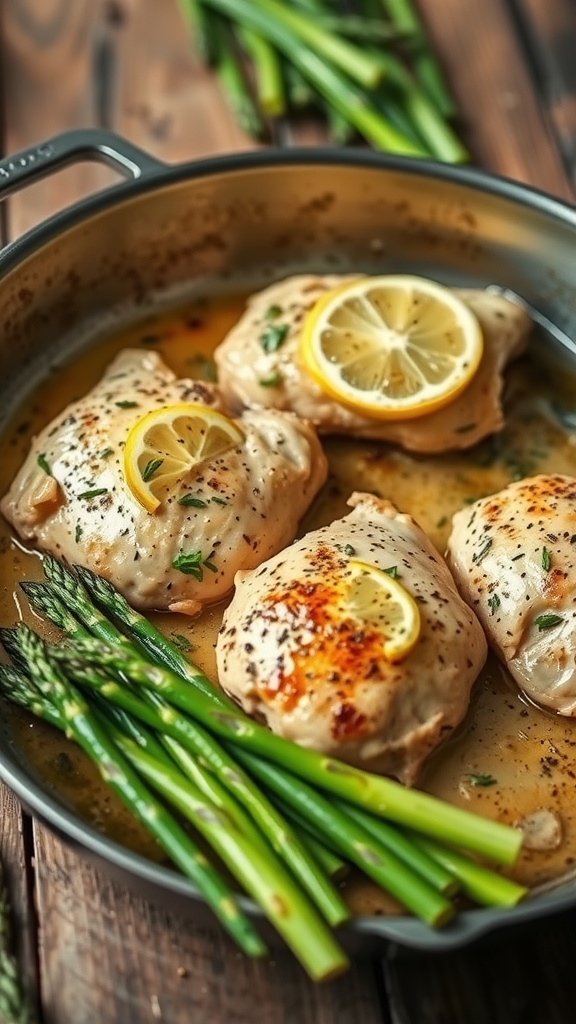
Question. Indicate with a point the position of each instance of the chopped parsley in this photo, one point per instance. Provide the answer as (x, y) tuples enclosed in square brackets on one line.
[(181, 642), (392, 571), (191, 564), (493, 603), (206, 366), (516, 557), (441, 522), (272, 380), (43, 463), (220, 501), (546, 559), (273, 312), (480, 779), (95, 493), (150, 468), (126, 405), (78, 533), (105, 453), (483, 552), (548, 620), (465, 429), (273, 336), (189, 501), (346, 549)]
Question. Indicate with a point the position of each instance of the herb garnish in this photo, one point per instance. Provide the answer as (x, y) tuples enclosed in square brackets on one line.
[(483, 552), (190, 563), (464, 429), (480, 779), (43, 463), (150, 468), (346, 549), (181, 642), (206, 366), (189, 501), (547, 620), (93, 494), (126, 405), (392, 571), (521, 555), (273, 336), (271, 381), (105, 453), (493, 603), (78, 534), (273, 312), (546, 559), (220, 501)]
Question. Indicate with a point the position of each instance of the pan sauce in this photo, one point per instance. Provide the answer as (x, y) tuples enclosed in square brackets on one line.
[(528, 754)]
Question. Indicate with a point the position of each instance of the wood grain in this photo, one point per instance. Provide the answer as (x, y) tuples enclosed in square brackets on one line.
[(107, 956), (15, 855), (502, 118), (551, 29)]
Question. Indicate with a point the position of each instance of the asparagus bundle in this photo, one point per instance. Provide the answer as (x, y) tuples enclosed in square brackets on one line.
[(371, 73), (15, 1007), (281, 818)]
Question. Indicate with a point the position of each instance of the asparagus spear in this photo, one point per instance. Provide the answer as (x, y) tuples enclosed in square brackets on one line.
[(230, 73), (189, 735), (267, 72), (14, 1006), (379, 795), (81, 724), (427, 69), (277, 24)]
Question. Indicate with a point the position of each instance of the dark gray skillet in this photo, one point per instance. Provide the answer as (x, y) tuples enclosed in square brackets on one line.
[(232, 221)]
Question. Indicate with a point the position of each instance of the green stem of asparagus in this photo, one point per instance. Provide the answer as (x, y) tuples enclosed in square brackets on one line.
[(357, 845), (14, 1005), (479, 883), (262, 876), (427, 69), (188, 733), (336, 89), (376, 794), (267, 70), (231, 75), (82, 725), (194, 18), (402, 847)]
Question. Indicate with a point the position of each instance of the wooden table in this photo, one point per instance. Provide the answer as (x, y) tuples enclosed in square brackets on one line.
[(92, 953)]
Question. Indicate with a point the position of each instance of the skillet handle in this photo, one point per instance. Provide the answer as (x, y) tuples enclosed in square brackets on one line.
[(70, 147)]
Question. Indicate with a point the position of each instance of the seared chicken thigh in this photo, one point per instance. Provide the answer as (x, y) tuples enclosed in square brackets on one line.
[(70, 497), (294, 652), (252, 377), (513, 555)]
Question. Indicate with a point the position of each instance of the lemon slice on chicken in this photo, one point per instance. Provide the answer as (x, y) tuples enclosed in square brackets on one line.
[(165, 444), (374, 596), (392, 347)]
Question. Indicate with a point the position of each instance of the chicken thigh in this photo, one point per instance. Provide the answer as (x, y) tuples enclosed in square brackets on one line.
[(250, 376), (71, 499), (294, 653), (513, 556)]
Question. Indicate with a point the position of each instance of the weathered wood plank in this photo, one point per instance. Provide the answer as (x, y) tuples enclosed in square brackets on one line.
[(512, 978), (15, 843), (551, 28), (503, 120), (110, 956)]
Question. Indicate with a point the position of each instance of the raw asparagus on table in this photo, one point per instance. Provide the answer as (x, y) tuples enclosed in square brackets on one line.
[(15, 1007), (368, 67)]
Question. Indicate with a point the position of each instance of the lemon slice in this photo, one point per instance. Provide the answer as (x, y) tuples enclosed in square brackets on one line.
[(165, 444), (375, 597), (392, 347)]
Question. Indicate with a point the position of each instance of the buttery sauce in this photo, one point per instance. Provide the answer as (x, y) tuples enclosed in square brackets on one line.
[(524, 758)]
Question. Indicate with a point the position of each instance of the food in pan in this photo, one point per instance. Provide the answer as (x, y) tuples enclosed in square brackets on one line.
[(513, 556), (474, 771), (264, 360), (144, 480), (354, 641)]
